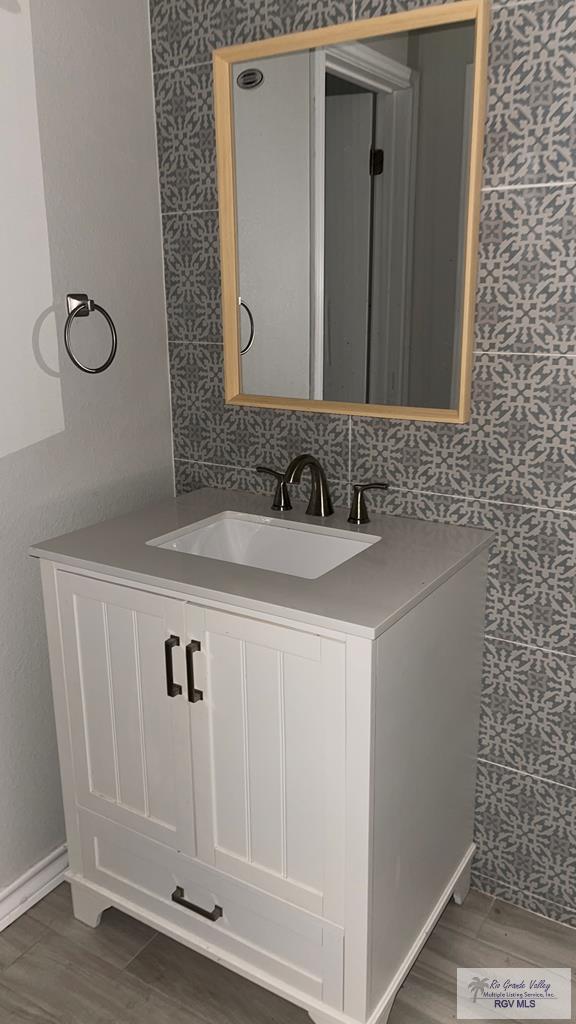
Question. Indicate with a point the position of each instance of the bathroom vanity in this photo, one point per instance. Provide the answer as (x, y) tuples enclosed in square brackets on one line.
[(272, 765)]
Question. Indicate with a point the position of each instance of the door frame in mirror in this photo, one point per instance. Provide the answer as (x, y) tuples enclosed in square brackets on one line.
[(477, 11)]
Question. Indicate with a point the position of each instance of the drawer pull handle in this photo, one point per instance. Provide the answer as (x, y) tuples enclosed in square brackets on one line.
[(210, 915), (172, 688), (193, 694)]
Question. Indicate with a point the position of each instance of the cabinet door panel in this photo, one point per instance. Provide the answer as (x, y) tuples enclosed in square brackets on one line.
[(272, 773), (121, 632), (228, 712), (305, 780), (130, 740), (264, 713)]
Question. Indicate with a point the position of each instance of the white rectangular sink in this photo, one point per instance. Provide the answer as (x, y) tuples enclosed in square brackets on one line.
[(265, 543)]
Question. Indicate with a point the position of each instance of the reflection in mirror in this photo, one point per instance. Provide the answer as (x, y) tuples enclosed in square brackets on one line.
[(351, 170)]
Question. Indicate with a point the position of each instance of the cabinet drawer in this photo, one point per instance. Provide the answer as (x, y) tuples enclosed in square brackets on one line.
[(275, 937)]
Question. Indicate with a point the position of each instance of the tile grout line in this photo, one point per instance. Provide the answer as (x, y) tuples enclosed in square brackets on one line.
[(485, 352), (412, 491), (566, 183), (339, 480), (196, 212), (141, 950), (47, 929), (149, 985), (181, 67), (532, 355), (229, 465), (518, 3), (486, 501), (486, 190), (515, 888), (527, 775), (531, 647)]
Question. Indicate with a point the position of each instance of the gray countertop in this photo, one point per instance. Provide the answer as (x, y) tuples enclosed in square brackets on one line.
[(363, 596)]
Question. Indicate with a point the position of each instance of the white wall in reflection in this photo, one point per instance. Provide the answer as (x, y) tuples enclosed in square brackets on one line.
[(30, 397)]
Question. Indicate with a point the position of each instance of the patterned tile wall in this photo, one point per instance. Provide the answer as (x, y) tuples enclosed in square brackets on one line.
[(512, 469)]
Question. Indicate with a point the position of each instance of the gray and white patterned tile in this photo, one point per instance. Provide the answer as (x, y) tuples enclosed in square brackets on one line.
[(517, 447), (186, 143), (528, 717), (192, 475), (185, 32), (207, 430), (525, 900), (531, 114), (526, 297), (377, 8), (525, 832), (192, 273), (531, 595)]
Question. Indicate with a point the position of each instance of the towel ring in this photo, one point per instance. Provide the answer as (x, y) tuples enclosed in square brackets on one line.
[(250, 342), (80, 305)]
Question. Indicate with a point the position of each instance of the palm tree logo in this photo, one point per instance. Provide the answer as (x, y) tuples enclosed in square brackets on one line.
[(477, 986)]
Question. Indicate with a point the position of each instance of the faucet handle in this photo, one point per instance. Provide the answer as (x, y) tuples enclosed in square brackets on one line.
[(358, 511), (281, 501)]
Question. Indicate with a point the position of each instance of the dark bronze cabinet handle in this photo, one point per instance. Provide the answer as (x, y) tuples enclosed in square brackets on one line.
[(193, 694), (210, 915), (172, 688)]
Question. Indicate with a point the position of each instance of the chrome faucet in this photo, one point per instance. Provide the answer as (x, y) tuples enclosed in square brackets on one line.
[(320, 503)]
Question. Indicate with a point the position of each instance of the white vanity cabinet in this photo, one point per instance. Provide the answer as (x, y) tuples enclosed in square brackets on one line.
[(292, 800)]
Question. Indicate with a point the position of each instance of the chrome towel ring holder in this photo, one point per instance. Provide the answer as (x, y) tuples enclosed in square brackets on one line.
[(80, 305)]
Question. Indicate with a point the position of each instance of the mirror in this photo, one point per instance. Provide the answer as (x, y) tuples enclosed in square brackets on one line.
[(349, 179)]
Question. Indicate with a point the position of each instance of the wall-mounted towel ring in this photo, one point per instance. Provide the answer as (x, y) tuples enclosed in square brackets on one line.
[(250, 342), (80, 305)]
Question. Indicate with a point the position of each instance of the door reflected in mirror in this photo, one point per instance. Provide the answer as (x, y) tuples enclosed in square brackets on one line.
[(354, 193)]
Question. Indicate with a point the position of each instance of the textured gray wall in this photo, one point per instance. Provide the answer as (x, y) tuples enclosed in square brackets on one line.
[(512, 469)]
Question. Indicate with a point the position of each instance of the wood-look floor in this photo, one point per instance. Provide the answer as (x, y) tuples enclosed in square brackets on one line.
[(54, 970)]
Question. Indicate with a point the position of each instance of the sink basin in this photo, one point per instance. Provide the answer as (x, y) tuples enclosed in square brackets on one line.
[(266, 543)]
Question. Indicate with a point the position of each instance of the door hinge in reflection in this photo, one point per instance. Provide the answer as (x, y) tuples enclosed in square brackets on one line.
[(376, 161)]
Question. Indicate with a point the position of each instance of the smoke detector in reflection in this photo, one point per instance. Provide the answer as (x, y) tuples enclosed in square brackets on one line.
[(251, 78)]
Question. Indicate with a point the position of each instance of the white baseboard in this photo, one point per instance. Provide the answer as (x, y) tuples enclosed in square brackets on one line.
[(32, 886)]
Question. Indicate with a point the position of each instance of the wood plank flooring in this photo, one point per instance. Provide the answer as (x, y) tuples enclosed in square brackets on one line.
[(54, 970)]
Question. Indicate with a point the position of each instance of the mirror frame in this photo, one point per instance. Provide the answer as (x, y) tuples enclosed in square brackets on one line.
[(477, 11)]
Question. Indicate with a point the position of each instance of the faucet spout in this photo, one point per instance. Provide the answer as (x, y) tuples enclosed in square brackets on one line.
[(320, 503)]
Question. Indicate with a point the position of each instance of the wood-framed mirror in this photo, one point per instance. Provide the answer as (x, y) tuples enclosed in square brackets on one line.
[(349, 178)]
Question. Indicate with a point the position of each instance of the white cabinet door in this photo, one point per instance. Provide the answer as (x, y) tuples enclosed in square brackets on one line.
[(269, 752), (130, 739)]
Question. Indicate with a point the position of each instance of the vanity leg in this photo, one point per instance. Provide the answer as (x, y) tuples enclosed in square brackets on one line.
[(462, 886), (88, 906)]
